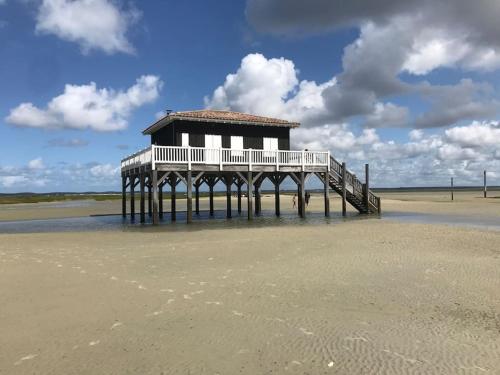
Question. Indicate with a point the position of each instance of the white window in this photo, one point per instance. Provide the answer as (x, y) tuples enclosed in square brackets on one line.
[(185, 139)]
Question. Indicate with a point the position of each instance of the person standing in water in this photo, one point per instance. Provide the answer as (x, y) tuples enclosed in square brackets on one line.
[(308, 197)]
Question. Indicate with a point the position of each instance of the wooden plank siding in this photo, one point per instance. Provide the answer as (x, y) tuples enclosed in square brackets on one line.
[(253, 136)]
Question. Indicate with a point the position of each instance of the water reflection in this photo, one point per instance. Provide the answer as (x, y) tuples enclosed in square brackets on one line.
[(204, 221)]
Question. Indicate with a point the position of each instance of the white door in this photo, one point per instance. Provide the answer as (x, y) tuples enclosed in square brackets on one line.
[(270, 144), (237, 145), (212, 145), (185, 139)]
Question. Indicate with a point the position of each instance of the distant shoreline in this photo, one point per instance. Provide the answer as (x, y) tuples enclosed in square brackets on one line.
[(27, 197)]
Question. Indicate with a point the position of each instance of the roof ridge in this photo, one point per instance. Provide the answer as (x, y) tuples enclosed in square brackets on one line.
[(226, 116)]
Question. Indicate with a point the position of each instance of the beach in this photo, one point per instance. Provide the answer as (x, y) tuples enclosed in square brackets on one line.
[(372, 296)]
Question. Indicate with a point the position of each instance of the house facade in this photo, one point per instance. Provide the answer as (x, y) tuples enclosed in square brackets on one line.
[(221, 129)]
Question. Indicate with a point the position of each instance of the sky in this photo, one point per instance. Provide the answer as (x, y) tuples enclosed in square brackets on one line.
[(412, 87)]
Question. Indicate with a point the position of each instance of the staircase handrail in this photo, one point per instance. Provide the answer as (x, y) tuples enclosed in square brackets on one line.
[(356, 184)]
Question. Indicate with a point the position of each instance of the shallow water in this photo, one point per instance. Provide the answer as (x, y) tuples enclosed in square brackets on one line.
[(219, 221)]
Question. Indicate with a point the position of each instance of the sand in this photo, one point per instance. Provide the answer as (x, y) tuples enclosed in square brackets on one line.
[(358, 297)]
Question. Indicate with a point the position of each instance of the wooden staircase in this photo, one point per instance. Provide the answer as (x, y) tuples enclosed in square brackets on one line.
[(356, 193)]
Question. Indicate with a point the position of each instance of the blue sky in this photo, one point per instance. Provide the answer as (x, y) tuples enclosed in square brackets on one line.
[(401, 87)]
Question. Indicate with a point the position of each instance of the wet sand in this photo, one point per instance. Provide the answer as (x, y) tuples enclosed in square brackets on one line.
[(465, 203), (358, 297)]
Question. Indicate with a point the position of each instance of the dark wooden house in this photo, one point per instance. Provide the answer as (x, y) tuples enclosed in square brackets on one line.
[(237, 149), (214, 129)]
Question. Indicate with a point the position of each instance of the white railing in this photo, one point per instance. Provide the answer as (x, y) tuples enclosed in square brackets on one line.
[(225, 156), (137, 159)]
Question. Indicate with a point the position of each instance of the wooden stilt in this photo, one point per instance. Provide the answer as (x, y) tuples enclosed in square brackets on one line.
[(160, 200), (211, 198), (451, 188), (197, 197), (299, 207), (173, 185), (189, 186), (154, 186), (239, 184), (132, 198), (250, 195), (277, 198), (344, 190), (229, 181), (485, 188), (367, 188), (257, 199), (326, 183), (124, 196), (142, 208), (150, 200), (302, 197)]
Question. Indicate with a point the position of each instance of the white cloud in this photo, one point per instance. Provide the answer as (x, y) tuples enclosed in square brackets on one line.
[(10, 181), (61, 142), (36, 176), (36, 164), (415, 134), (87, 107), (259, 86), (477, 134), (93, 24), (411, 36), (105, 171)]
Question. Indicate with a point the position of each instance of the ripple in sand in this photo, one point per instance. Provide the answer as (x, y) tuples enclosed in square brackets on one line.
[(25, 358), (117, 324), (155, 313), (305, 331)]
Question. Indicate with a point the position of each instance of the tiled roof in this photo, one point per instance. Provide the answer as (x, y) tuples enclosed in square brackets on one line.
[(210, 115)]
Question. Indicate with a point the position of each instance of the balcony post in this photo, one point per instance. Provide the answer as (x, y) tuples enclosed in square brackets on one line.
[(153, 157), (250, 159)]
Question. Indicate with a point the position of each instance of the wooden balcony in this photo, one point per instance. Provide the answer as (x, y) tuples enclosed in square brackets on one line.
[(168, 158)]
